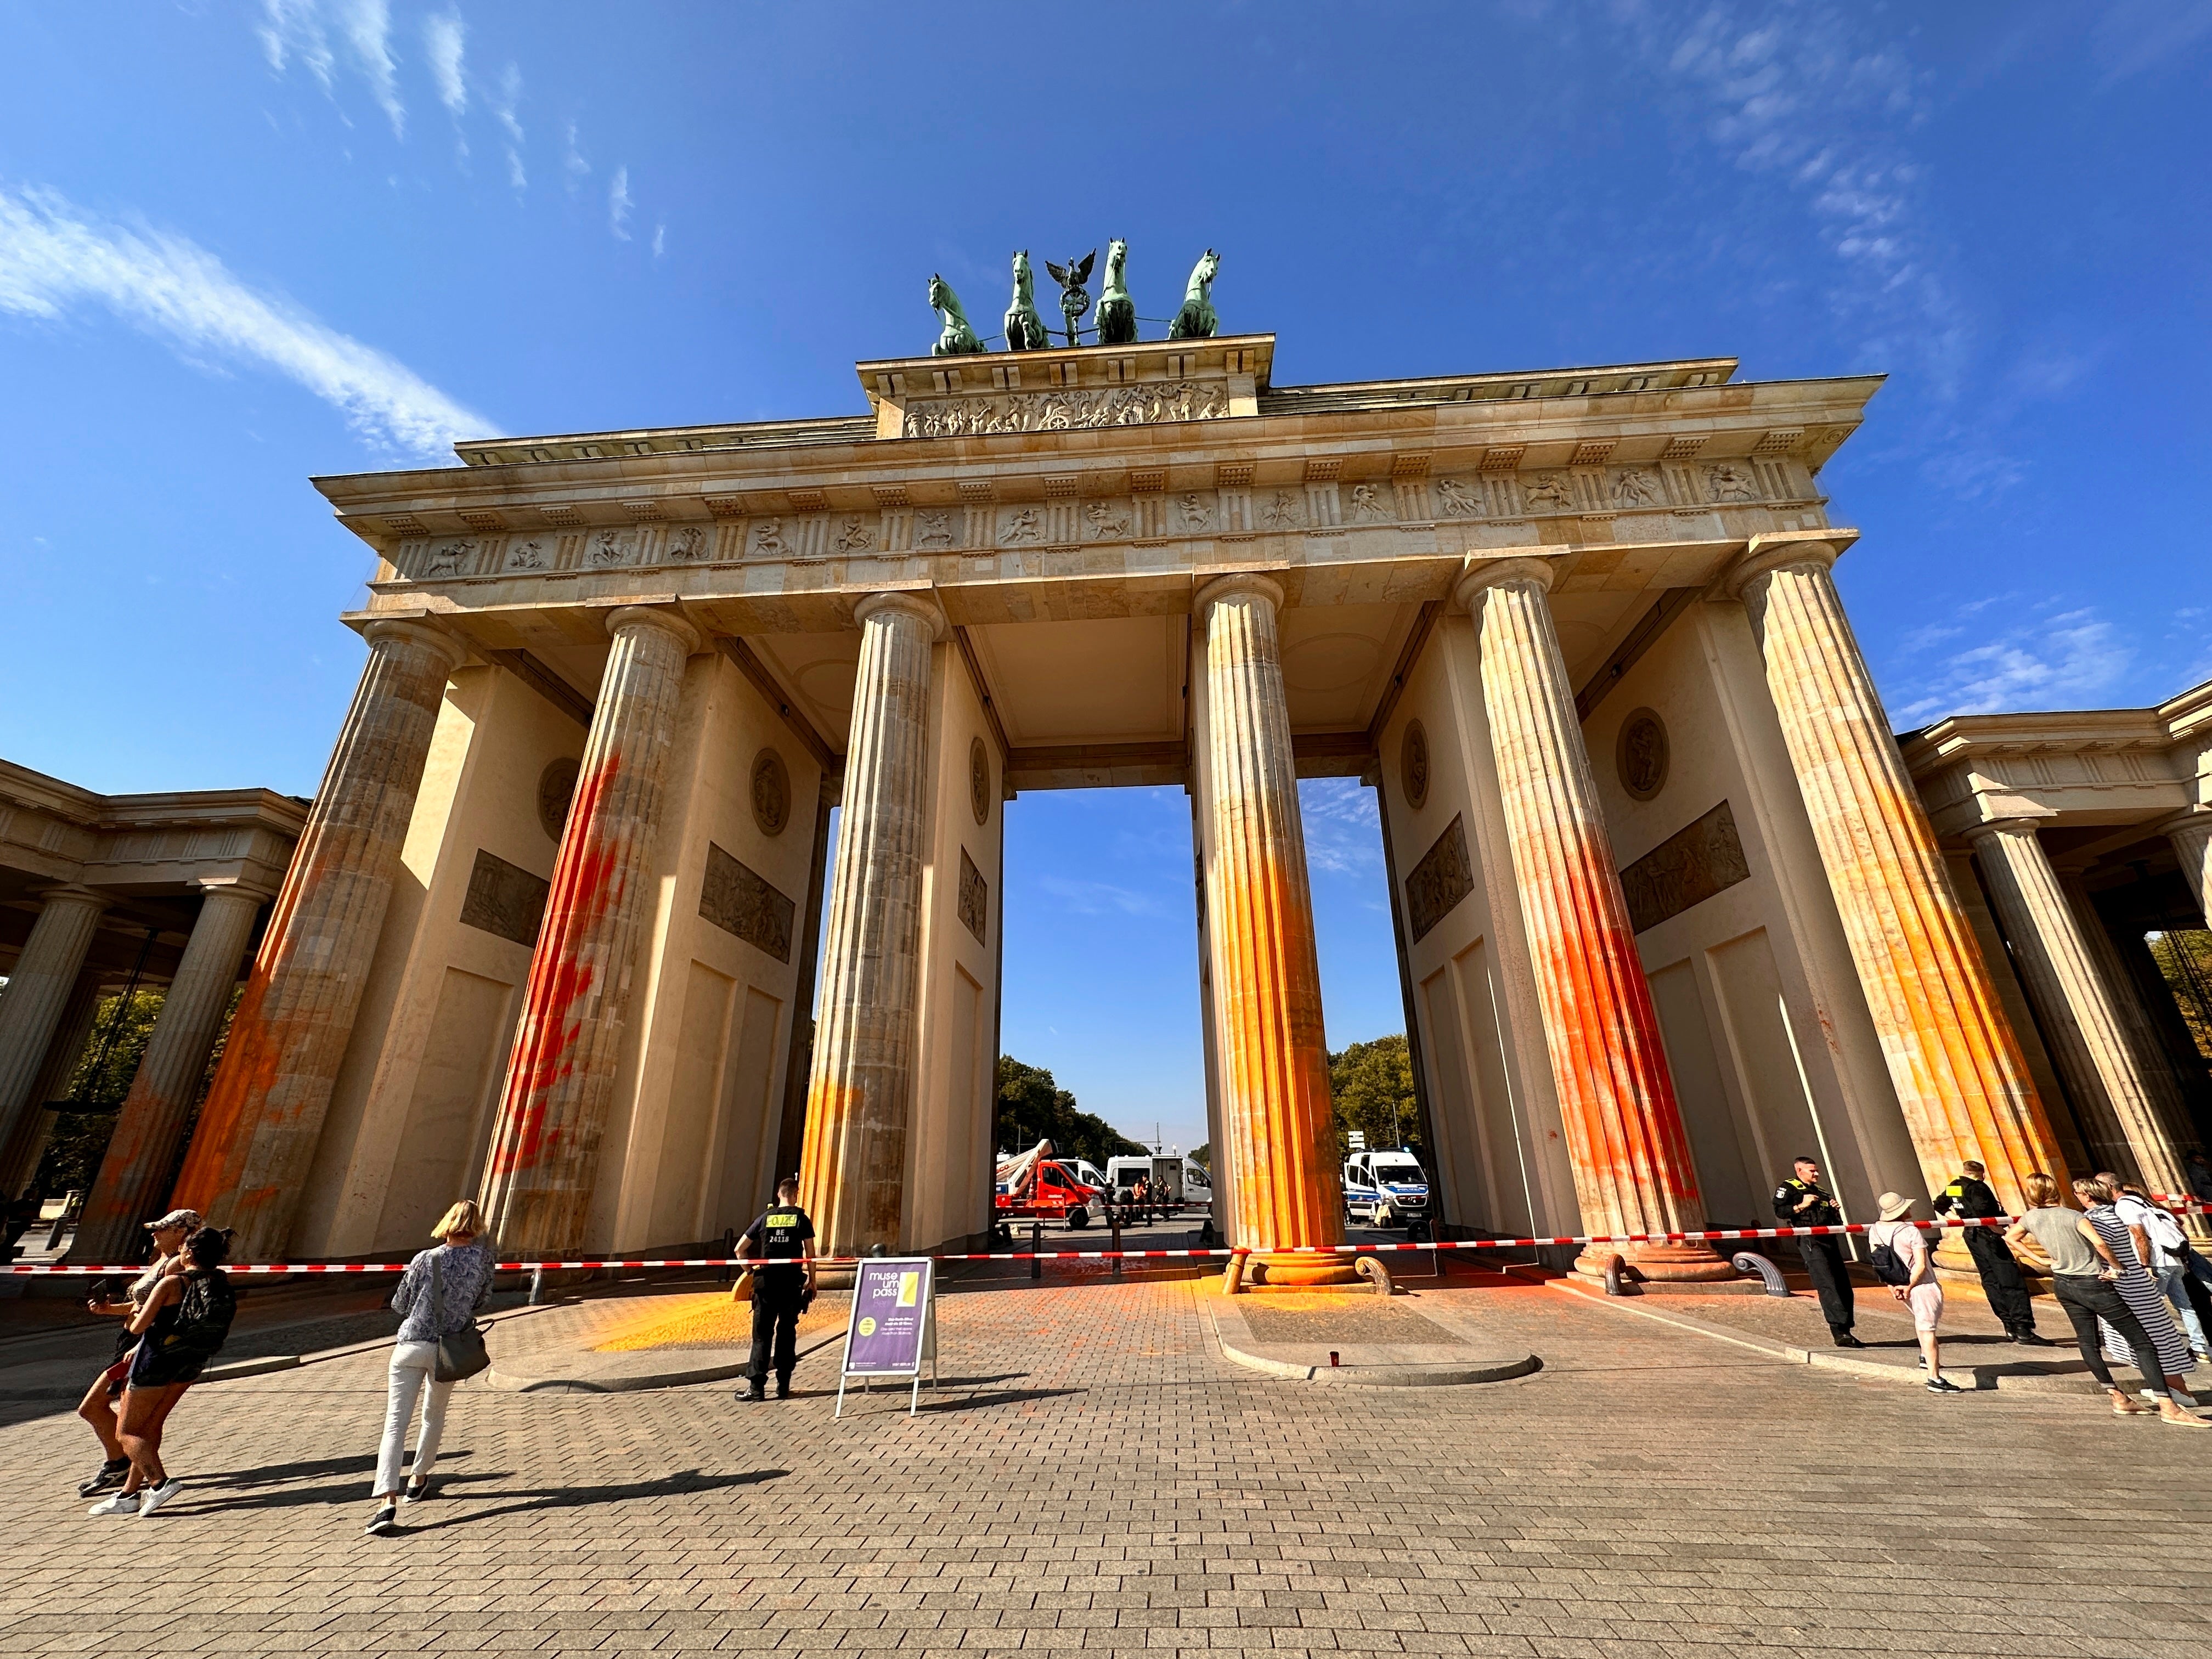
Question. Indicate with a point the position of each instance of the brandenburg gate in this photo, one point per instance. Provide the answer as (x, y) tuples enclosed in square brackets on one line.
[(1668, 911)]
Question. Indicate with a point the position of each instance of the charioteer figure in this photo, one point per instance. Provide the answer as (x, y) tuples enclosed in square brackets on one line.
[(1801, 1201), (1972, 1199)]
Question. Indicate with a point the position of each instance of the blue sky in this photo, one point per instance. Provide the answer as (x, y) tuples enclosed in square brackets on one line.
[(244, 242)]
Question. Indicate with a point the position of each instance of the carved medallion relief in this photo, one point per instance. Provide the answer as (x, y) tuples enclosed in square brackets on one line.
[(1641, 754), (1414, 765), (557, 788), (771, 793), (979, 781)]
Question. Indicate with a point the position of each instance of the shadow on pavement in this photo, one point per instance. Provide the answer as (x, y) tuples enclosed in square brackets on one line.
[(561, 1498)]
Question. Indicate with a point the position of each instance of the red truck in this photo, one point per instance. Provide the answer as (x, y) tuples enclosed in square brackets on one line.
[(1037, 1186)]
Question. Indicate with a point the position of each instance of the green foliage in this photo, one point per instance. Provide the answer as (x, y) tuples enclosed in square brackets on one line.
[(2185, 958), (1203, 1155), (1370, 1085), (1031, 1107), (96, 1088)]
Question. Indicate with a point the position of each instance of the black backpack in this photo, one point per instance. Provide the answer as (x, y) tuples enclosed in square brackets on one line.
[(204, 1314)]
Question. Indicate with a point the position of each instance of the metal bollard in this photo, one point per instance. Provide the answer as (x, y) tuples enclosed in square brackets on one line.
[(538, 1295), (1116, 1221), (1037, 1244)]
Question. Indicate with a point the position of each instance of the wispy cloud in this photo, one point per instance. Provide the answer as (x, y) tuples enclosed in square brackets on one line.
[(660, 239), (304, 29), (573, 163), (618, 205), (2134, 36), (1798, 93), (54, 257), (2067, 659), (506, 102), (1343, 837), (1096, 899), (445, 40)]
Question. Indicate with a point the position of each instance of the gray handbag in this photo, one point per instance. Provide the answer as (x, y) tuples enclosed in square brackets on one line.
[(460, 1353)]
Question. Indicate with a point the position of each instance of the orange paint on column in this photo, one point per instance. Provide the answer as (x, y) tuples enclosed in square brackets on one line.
[(1631, 1155), (1960, 1081), (256, 1133), (1270, 1037), (544, 1166)]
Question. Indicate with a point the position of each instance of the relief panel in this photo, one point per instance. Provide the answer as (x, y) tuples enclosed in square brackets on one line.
[(742, 903)]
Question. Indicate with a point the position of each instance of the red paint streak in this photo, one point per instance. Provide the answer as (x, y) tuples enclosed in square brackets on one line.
[(586, 886)]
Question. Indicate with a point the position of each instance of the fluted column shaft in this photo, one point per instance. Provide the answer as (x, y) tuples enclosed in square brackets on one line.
[(34, 1124), (2084, 1026), (1632, 1167), (2191, 836), (559, 1091), (257, 1132), (1960, 1081), (1269, 1039), (133, 1181), (37, 991), (860, 1097)]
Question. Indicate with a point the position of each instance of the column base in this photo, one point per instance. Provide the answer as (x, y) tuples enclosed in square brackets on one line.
[(1298, 1272), (1665, 1264)]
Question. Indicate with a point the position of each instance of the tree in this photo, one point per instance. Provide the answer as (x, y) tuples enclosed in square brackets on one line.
[(81, 1134), (2184, 959), (1033, 1107), (1203, 1155), (1370, 1085)]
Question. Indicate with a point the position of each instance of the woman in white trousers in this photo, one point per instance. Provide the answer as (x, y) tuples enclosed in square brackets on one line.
[(464, 1262)]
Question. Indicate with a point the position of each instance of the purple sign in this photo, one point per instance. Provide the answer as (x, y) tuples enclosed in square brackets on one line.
[(890, 1312)]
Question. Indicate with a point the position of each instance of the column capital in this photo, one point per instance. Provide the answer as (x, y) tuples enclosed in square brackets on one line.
[(664, 617), (914, 602), (1237, 584), (2189, 820), (2020, 827), (233, 887), (416, 630), (1811, 549), (1481, 574), (70, 893)]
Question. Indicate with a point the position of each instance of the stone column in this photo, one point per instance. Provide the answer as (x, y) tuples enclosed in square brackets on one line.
[(2083, 1024), (1633, 1170), (34, 1124), (256, 1133), (560, 1083), (1268, 1034), (37, 991), (1959, 1078), (2191, 835), (133, 1183), (861, 1093)]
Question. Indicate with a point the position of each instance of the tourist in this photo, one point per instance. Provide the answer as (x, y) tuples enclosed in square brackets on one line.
[(1898, 1246), (1800, 1201), (98, 1406), (2154, 1232), (1974, 1199), (2082, 1272), (461, 1264), (2130, 1253), (179, 1328), (780, 1294)]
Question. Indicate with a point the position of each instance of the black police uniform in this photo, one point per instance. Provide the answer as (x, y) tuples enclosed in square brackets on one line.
[(2002, 1281), (1823, 1257), (782, 1233)]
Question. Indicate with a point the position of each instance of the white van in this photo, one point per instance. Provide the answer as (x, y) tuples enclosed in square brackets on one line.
[(1385, 1188), (1177, 1182)]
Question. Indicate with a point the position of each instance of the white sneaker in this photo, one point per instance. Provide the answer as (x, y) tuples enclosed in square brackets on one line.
[(123, 1503), (153, 1496)]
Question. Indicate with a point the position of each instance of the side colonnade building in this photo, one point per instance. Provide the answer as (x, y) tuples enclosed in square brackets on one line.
[(1669, 909)]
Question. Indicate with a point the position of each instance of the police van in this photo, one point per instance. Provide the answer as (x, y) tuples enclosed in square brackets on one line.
[(1385, 1188)]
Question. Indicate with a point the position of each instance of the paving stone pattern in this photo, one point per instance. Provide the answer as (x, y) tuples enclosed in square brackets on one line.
[(1095, 1478)]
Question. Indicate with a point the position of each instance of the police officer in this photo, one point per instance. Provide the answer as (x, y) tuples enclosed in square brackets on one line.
[(1800, 1201), (1970, 1197), (779, 1294)]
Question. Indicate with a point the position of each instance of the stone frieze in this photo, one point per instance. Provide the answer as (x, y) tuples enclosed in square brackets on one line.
[(1067, 409)]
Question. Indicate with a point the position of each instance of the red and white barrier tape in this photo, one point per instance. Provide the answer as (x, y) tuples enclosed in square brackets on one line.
[(1579, 1240)]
